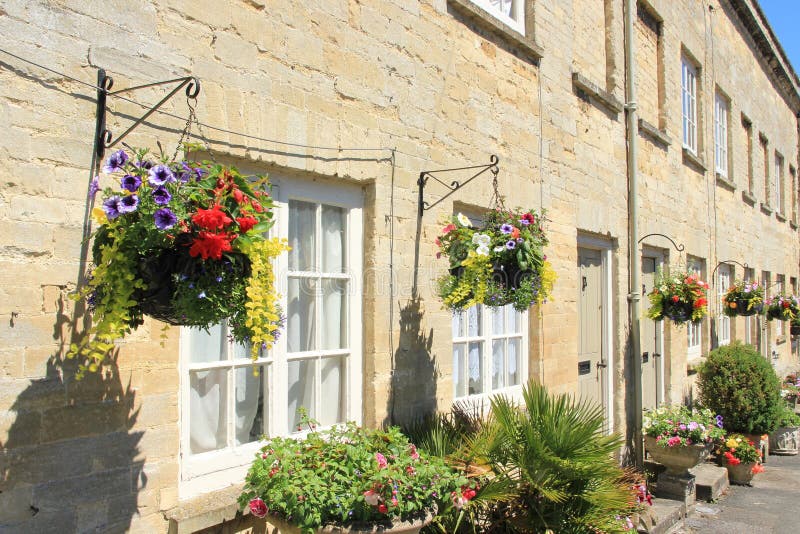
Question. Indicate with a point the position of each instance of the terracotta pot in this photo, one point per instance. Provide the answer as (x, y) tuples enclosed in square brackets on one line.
[(784, 441), (396, 526), (740, 474), (677, 460)]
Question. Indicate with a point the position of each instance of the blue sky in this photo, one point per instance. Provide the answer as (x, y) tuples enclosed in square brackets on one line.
[(784, 17)]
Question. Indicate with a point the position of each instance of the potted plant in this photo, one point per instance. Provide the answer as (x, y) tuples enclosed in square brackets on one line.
[(678, 437), (350, 479), (790, 389), (500, 262), (743, 298), (794, 327), (782, 308), (183, 242), (680, 297), (785, 439), (741, 458)]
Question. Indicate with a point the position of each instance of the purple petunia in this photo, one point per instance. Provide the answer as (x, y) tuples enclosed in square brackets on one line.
[(524, 222), (160, 175), (161, 196), (111, 207), (511, 245), (143, 164), (165, 219), (128, 204), (131, 183), (115, 162), (94, 187), (506, 228)]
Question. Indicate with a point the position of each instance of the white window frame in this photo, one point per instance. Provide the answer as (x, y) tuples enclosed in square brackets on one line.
[(481, 399), (515, 18), (204, 472), (749, 276), (721, 134), (694, 331), (778, 183), (689, 104), (723, 321), (780, 283)]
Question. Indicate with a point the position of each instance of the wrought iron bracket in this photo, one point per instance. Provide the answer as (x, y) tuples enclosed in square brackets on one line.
[(678, 247), (454, 185), (726, 262), (102, 137)]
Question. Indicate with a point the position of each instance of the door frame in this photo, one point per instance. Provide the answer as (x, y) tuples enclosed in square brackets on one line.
[(660, 257), (607, 355)]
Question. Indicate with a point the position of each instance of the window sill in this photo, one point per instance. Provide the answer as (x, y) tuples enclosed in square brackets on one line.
[(780, 340), (724, 182), (584, 86), (793, 225), (780, 216), (749, 198), (487, 21), (693, 363), (204, 511), (660, 137), (694, 160), (766, 209)]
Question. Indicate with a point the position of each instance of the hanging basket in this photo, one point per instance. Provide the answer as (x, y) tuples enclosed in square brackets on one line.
[(678, 312), (744, 309)]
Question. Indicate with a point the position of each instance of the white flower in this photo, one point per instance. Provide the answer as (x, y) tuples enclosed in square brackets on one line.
[(499, 249), (482, 250), (482, 240), (462, 219), (372, 498)]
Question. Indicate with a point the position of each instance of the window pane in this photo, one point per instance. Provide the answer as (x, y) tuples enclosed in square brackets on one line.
[(459, 369), (301, 391), (475, 366), (458, 324), (334, 314), (514, 320), (206, 346), (300, 331), (474, 321), (333, 239), (249, 404), (207, 408), (498, 326), (498, 364), (302, 230), (331, 409), (514, 350)]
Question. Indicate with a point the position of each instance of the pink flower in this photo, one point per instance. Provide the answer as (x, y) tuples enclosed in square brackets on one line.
[(758, 468), (383, 508), (458, 500), (258, 507), (381, 459), (413, 451), (372, 498)]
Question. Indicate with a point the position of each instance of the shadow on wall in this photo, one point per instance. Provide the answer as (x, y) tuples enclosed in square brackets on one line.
[(413, 387), (71, 462)]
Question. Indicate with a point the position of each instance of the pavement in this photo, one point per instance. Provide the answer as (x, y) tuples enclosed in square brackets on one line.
[(771, 505)]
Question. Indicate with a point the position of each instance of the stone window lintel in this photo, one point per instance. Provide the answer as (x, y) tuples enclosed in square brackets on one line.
[(603, 97)]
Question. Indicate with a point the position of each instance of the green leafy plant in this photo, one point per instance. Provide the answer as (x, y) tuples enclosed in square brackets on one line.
[(743, 298), (738, 383), (788, 418), (680, 297), (782, 308), (737, 449), (349, 474), (678, 426), (501, 262)]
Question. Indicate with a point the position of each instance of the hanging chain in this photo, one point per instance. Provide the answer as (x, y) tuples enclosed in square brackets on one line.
[(187, 130), (496, 202), (203, 137)]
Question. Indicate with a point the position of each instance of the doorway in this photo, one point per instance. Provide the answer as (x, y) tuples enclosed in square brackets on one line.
[(652, 335)]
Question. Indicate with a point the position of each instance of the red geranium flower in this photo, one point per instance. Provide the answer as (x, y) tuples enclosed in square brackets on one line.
[(382, 508), (700, 302), (238, 196), (246, 223), (675, 298), (210, 245), (212, 219)]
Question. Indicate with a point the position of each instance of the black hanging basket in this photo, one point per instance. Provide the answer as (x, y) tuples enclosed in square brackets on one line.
[(741, 308), (794, 329), (678, 312)]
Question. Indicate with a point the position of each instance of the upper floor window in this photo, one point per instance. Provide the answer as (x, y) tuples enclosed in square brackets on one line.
[(694, 331), (315, 363), (723, 321), (721, 134), (509, 12), (779, 207), (689, 104)]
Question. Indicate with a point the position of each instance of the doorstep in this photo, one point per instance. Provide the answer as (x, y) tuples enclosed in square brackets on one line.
[(710, 480), (662, 517)]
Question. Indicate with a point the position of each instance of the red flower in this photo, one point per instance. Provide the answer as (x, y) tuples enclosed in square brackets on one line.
[(785, 304), (258, 507), (210, 245), (238, 196), (529, 217), (246, 223), (449, 228), (213, 219), (758, 468), (468, 493), (700, 303), (675, 298), (382, 508)]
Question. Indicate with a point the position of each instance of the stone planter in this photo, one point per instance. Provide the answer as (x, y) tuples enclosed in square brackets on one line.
[(677, 460), (784, 441), (741, 474), (412, 526)]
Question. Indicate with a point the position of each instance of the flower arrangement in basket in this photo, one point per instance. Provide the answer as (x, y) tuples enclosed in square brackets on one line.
[(680, 297), (678, 426), (183, 242), (500, 262), (782, 308), (737, 449), (349, 475), (743, 298)]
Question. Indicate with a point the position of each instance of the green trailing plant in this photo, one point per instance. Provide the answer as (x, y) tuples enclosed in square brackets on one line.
[(743, 298), (782, 307), (738, 383), (788, 418)]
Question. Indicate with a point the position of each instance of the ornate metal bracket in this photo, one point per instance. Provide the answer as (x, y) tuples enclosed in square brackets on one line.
[(726, 262), (454, 185), (679, 248), (103, 138)]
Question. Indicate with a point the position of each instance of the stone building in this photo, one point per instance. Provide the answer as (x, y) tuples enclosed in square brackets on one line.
[(344, 103)]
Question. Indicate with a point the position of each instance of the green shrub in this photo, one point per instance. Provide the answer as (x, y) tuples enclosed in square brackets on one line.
[(788, 418), (738, 383)]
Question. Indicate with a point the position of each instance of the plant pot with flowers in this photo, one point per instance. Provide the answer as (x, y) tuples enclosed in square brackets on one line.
[(679, 297), (183, 242), (743, 298), (741, 458), (785, 439), (499, 262), (678, 437), (350, 479), (782, 307)]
